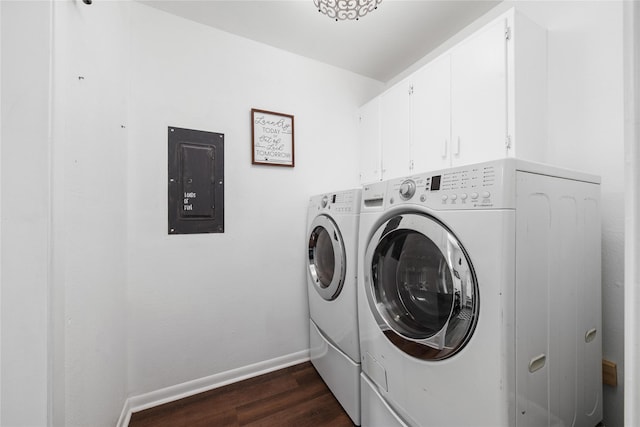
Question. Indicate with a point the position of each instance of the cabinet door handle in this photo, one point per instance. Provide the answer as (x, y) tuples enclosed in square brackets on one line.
[(457, 152), (537, 363), (444, 149)]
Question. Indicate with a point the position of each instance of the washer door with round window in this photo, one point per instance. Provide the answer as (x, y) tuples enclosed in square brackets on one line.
[(327, 262), (421, 286)]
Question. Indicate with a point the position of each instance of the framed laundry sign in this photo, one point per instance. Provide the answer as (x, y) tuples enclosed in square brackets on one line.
[(272, 138)]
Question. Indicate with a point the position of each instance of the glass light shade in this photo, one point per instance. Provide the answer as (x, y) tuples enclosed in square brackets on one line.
[(342, 10)]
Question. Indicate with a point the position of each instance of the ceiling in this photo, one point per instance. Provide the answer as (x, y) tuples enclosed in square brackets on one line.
[(380, 45)]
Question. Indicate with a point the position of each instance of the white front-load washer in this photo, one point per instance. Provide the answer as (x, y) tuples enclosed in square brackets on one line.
[(479, 298), (332, 232)]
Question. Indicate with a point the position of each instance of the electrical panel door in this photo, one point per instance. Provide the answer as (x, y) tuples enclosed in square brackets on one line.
[(196, 181)]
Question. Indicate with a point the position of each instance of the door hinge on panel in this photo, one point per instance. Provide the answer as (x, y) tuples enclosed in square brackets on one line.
[(507, 142), (410, 165), (410, 89), (507, 33)]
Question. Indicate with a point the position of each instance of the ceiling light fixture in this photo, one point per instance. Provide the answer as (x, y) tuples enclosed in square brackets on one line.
[(346, 9)]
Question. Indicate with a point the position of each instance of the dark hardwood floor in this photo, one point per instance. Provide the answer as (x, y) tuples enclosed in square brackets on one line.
[(295, 396)]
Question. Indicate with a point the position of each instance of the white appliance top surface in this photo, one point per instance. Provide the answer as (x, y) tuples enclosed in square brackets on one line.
[(549, 170)]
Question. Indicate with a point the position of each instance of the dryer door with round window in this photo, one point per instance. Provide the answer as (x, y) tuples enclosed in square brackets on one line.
[(327, 262), (421, 287)]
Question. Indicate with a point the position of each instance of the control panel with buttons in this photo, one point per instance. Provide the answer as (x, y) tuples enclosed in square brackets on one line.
[(344, 202), (471, 187)]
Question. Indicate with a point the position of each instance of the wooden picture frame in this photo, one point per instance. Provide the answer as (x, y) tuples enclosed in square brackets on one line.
[(272, 139)]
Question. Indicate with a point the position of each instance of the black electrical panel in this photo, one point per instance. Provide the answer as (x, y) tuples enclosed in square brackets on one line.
[(196, 181)]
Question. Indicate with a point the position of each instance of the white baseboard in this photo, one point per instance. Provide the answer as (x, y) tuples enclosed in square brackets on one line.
[(180, 391), (125, 415)]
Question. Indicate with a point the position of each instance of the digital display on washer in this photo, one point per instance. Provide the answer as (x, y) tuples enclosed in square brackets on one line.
[(435, 182)]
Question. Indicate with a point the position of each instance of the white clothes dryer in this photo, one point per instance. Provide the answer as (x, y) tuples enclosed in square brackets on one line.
[(332, 230), (479, 294)]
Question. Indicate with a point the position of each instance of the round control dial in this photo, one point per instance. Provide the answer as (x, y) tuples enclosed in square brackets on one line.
[(324, 202), (407, 189)]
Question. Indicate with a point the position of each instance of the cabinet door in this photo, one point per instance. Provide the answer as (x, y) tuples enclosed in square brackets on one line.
[(394, 130), (431, 116), (479, 96), (369, 141)]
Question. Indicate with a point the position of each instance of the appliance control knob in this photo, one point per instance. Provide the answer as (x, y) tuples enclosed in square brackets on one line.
[(486, 195), (454, 197), (407, 189), (474, 196), (444, 197), (463, 196), (324, 202)]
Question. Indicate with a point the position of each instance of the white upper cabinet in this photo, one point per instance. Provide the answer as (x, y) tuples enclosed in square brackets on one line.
[(483, 99), (394, 130), (369, 141), (526, 88), (479, 96), (431, 116)]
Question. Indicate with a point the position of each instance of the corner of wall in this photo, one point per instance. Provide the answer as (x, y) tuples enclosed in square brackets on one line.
[(631, 34)]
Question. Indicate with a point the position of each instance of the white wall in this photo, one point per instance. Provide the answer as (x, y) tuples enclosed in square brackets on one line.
[(90, 196), (205, 304), (632, 219), (25, 212), (586, 132), (134, 313)]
